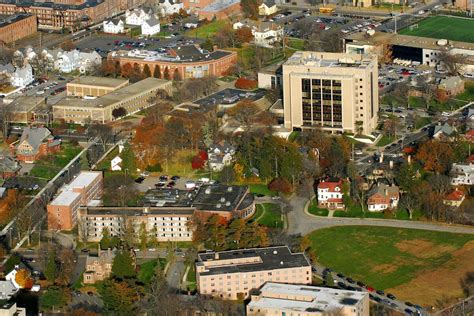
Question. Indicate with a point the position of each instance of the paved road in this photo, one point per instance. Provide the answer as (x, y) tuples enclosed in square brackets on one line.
[(175, 273), (300, 222)]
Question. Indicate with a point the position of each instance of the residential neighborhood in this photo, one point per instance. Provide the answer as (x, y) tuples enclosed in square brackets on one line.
[(236, 157)]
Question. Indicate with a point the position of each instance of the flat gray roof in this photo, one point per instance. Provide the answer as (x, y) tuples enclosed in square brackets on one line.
[(99, 81), (65, 198)]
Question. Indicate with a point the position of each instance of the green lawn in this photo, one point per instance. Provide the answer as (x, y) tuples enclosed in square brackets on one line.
[(296, 43), (384, 141), (444, 27), (48, 166), (383, 257), (315, 210), (207, 30), (422, 121), (356, 211), (147, 270), (261, 189), (191, 278), (293, 136), (271, 216)]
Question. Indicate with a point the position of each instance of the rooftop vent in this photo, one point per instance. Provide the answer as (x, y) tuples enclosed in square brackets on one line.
[(218, 205), (275, 252), (281, 263), (229, 189), (222, 199), (208, 191), (227, 203)]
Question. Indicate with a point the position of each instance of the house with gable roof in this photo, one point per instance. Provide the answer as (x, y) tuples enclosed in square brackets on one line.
[(113, 26), (168, 7), (22, 76), (268, 7), (151, 26), (35, 142), (330, 193), (220, 155), (383, 196)]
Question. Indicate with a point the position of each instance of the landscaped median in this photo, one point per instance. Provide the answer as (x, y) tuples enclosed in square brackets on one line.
[(421, 266), (269, 215)]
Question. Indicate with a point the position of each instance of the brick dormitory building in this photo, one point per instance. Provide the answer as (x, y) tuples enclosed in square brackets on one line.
[(188, 61), (17, 26), (58, 14)]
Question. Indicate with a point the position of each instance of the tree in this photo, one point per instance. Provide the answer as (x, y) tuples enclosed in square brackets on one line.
[(50, 269), (119, 297), (119, 112), (146, 71), (227, 175), (166, 74), (428, 90), (23, 278), (123, 266), (244, 34), (103, 133), (391, 126), (435, 156), (157, 72), (359, 127), (127, 70), (136, 74), (244, 113), (54, 297), (305, 243), (453, 63), (467, 284), (410, 202), (105, 242), (280, 185), (67, 45), (250, 8), (143, 236), (176, 75)]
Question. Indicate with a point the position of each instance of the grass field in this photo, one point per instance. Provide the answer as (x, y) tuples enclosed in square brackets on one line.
[(261, 189), (315, 210), (47, 167), (444, 27), (147, 270), (416, 265), (269, 215), (207, 30)]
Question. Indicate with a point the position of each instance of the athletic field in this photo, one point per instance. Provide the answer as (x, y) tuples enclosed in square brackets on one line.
[(443, 27)]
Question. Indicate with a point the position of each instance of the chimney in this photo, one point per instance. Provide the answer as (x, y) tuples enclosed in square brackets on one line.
[(409, 159), (216, 256), (391, 164), (381, 157)]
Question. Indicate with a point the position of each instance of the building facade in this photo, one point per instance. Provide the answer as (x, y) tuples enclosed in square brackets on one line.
[(132, 98), (187, 61), (233, 274), (113, 27), (72, 14), (304, 300), (94, 86), (333, 91), (330, 194), (35, 142), (164, 223), (99, 268), (63, 210), (382, 197), (17, 26)]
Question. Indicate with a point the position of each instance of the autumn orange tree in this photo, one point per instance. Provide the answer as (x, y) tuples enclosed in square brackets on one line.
[(244, 34), (435, 156), (23, 278)]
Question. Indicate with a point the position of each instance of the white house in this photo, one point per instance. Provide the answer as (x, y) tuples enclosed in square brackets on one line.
[(137, 16), (265, 33), (75, 60), (113, 27), (115, 164), (220, 155), (168, 7), (330, 194), (383, 197), (22, 76), (268, 7), (151, 26), (462, 174)]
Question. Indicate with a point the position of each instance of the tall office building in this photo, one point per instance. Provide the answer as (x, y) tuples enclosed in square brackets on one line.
[(334, 91)]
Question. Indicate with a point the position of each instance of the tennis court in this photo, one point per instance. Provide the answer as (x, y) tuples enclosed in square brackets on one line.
[(443, 27)]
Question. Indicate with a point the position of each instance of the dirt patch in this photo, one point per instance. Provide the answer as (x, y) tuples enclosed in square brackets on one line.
[(385, 268), (422, 248), (440, 284)]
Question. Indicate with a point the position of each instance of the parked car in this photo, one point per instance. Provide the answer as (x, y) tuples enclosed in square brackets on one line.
[(391, 296), (139, 179)]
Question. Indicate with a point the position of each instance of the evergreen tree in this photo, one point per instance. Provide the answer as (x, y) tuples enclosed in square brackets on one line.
[(143, 236), (146, 71), (166, 74), (50, 270), (157, 72), (123, 266), (176, 75), (105, 242)]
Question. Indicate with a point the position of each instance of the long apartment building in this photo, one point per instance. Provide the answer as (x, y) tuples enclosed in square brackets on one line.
[(234, 274), (132, 98), (17, 26), (63, 210), (74, 14), (333, 91), (91, 86), (303, 300), (165, 223)]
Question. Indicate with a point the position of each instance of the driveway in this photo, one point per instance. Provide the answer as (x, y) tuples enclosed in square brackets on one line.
[(300, 222), (175, 273)]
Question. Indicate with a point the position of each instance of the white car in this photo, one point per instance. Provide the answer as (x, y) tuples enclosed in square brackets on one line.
[(39, 92)]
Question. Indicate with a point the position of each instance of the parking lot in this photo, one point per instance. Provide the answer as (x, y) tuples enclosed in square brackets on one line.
[(147, 182), (54, 89)]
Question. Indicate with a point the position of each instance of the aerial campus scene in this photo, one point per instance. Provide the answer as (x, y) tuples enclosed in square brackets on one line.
[(237, 157)]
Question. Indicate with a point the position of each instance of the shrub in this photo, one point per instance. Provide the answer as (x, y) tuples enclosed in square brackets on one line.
[(280, 185), (246, 84), (154, 168), (197, 162)]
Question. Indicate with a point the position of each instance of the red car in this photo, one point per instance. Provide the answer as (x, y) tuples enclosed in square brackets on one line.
[(370, 289)]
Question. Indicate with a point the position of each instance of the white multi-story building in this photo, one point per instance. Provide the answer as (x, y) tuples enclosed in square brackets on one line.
[(290, 299), (265, 33), (168, 7), (75, 60), (113, 27), (22, 76), (462, 174), (164, 223), (137, 16), (151, 26), (332, 91)]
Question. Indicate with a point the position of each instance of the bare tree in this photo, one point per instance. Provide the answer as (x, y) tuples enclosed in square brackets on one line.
[(428, 90), (103, 132), (5, 118), (452, 63), (410, 202)]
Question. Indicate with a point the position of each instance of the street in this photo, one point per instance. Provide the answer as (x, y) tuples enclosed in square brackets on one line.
[(175, 273)]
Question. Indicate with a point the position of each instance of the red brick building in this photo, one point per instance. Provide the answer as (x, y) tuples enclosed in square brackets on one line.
[(57, 14), (35, 142), (15, 27), (188, 61)]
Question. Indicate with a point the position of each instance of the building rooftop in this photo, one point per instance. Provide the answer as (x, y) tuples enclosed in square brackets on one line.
[(66, 198), (305, 298), (99, 81), (219, 5), (138, 211), (84, 179), (218, 197), (53, 5), (9, 19), (26, 103), (334, 60), (270, 258), (113, 97), (404, 40), (181, 54)]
